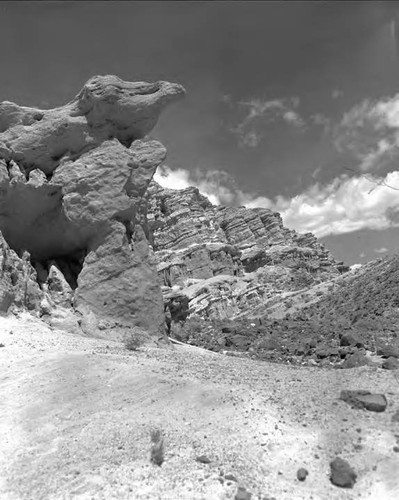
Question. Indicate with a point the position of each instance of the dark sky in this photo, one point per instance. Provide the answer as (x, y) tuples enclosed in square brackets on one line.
[(314, 60)]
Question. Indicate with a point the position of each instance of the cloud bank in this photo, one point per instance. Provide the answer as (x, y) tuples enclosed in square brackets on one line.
[(370, 132), (344, 205)]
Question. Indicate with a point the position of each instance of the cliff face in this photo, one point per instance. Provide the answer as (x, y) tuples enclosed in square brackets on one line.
[(226, 260), (72, 180)]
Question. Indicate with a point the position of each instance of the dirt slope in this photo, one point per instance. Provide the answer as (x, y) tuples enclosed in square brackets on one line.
[(76, 413)]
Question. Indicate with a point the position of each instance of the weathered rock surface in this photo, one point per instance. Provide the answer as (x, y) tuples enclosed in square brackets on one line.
[(342, 474), (18, 285), (364, 399), (227, 260), (72, 180)]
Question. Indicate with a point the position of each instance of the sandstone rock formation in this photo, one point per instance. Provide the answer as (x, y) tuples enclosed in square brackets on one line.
[(18, 285), (72, 181), (229, 261)]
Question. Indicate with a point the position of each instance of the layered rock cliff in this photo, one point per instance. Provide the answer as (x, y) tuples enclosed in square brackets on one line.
[(72, 180), (227, 261)]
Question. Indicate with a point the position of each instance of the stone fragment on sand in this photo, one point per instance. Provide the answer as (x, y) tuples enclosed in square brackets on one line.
[(203, 459), (342, 474), (242, 494), (364, 399), (301, 474)]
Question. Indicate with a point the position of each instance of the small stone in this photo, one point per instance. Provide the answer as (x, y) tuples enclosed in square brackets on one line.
[(395, 416), (302, 474), (203, 459), (364, 399), (391, 364), (230, 477), (342, 474), (396, 449), (349, 339), (242, 494)]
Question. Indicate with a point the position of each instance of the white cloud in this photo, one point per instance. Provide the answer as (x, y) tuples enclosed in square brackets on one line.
[(345, 205), (370, 132), (293, 118), (381, 250), (259, 114)]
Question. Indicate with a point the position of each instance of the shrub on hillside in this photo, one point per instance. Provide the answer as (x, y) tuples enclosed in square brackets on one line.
[(134, 340)]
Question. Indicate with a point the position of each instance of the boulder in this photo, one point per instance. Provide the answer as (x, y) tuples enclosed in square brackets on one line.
[(342, 474), (364, 399), (350, 339), (388, 351), (355, 360), (391, 364)]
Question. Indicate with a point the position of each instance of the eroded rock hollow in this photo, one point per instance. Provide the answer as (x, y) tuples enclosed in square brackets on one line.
[(72, 180)]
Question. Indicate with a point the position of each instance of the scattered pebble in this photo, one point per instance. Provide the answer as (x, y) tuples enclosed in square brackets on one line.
[(203, 459), (302, 474), (230, 477)]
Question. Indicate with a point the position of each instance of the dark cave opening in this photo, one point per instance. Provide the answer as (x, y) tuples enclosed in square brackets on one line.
[(70, 266)]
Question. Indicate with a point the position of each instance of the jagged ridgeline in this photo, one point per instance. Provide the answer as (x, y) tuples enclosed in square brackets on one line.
[(228, 261)]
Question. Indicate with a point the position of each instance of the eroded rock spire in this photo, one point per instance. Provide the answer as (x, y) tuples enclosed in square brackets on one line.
[(71, 183)]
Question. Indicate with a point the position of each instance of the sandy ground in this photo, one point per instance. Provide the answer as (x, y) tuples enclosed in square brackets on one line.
[(76, 415)]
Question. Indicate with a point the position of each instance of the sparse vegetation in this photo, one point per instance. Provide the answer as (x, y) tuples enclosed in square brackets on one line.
[(157, 447), (134, 341)]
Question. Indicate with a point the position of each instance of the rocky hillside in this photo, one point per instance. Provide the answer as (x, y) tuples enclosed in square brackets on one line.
[(226, 261)]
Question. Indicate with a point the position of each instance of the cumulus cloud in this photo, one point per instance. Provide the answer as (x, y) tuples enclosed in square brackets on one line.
[(370, 132), (252, 126), (381, 250), (344, 205)]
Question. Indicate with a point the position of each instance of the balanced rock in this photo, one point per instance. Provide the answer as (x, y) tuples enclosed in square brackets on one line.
[(72, 180)]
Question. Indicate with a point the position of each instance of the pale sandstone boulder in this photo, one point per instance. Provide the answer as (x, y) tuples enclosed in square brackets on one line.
[(72, 181)]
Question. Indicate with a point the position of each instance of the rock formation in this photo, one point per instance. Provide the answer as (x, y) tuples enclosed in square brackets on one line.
[(229, 261), (72, 180)]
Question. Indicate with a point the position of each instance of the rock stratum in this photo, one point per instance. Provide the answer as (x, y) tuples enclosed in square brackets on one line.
[(72, 180), (224, 262)]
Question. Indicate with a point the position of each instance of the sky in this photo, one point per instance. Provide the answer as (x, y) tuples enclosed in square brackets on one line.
[(292, 106)]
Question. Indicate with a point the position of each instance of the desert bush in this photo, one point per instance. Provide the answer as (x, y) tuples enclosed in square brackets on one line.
[(134, 340), (157, 447)]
